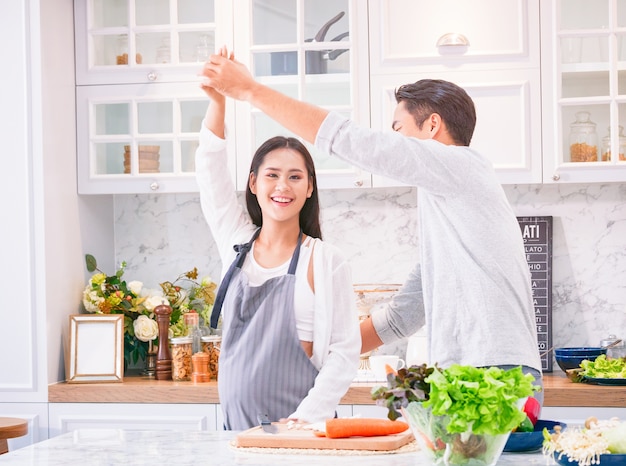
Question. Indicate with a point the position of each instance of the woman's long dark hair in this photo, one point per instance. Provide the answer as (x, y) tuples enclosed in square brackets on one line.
[(310, 213)]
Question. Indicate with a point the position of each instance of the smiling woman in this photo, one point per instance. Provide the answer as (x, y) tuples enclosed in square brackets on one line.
[(285, 295)]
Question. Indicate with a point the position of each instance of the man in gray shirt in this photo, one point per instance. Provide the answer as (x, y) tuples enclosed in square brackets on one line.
[(472, 288)]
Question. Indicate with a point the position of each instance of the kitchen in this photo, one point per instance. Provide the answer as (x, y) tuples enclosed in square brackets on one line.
[(53, 227)]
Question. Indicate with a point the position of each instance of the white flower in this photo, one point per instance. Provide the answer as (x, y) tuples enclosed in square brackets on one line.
[(135, 287), (145, 328), (154, 301), (91, 299)]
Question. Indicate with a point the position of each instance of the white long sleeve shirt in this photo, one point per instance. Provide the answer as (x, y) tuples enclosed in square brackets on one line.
[(472, 288), (336, 337)]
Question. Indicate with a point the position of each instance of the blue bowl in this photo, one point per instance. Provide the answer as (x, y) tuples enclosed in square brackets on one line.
[(605, 460), (570, 358), (531, 441), (580, 351)]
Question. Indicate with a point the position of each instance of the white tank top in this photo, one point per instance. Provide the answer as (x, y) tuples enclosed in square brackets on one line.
[(304, 298)]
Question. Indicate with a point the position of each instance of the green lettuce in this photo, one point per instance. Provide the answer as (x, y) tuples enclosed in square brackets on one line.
[(603, 368), (485, 400)]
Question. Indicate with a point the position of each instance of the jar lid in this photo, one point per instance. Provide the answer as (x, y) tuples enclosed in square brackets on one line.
[(611, 339), (180, 340), (583, 121), (210, 338)]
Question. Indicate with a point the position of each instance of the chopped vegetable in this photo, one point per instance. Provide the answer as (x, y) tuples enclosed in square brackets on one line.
[(581, 444), (525, 426), (363, 427), (532, 408), (390, 370), (603, 368)]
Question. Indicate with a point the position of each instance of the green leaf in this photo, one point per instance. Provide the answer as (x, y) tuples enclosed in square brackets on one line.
[(92, 265)]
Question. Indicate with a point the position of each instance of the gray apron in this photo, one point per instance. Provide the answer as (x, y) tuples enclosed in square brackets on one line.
[(263, 368)]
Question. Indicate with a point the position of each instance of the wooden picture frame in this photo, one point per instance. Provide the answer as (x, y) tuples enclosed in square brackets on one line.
[(96, 348)]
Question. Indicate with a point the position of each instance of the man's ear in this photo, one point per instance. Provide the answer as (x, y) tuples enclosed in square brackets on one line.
[(435, 123), (438, 129)]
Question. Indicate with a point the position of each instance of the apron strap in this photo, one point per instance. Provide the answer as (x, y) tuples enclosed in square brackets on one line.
[(294, 258), (242, 250)]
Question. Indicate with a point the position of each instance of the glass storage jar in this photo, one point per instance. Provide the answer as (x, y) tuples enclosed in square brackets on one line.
[(181, 358), (583, 142), (606, 145), (211, 345)]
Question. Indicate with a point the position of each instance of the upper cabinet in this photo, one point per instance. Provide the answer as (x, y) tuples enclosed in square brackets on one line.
[(312, 50), (139, 106), (142, 41), (584, 90), (489, 47)]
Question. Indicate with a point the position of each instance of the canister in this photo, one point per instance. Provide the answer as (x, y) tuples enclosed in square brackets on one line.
[(617, 351), (181, 358), (583, 142), (211, 345), (606, 145)]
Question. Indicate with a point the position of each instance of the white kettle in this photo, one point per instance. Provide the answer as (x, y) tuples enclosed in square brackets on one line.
[(417, 348)]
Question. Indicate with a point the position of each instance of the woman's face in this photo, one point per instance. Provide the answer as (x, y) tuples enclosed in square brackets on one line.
[(282, 185)]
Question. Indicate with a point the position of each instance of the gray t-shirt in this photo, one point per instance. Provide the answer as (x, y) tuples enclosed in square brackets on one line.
[(472, 288)]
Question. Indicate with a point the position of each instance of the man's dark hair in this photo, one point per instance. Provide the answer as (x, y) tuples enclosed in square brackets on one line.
[(450, 101)]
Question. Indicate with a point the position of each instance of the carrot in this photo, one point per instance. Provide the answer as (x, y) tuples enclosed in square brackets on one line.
[(363, 427), (319, 433), (390, 370)]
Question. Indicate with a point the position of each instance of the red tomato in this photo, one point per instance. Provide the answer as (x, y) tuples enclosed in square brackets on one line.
[(532, 408)]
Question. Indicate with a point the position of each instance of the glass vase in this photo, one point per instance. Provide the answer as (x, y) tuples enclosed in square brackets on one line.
[(443, 448)]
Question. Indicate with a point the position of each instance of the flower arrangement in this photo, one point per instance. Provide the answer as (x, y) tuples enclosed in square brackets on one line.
[(111, 294)]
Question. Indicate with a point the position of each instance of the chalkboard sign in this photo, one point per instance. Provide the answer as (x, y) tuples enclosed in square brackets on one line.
[(537, 235)]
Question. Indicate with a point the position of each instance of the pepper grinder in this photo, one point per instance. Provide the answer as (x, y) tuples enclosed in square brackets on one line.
[(164, 357)]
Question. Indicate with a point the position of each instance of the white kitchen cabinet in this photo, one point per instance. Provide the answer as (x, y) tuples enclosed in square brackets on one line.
[(142, 41), (584, 70), (303, 48), (312, 50), (68, 417), (139, 106), (139, 138), (489, 47)]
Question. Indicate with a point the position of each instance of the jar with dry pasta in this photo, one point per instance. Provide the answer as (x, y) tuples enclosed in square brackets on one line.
[(583, 141), (181, 358), (211, 345)]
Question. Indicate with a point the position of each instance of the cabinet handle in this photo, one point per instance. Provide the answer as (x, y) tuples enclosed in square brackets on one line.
[(154, 186), (358, 183), (452, 39), (152, 76), (556, 177)]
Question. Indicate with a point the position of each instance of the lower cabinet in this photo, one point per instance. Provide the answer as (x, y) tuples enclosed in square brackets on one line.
[(67, 417)]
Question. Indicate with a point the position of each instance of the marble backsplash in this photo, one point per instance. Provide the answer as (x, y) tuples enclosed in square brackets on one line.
[(161, 236)]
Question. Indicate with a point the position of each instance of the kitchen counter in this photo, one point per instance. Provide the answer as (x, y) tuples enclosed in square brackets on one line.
[(558, 391), (115, 447)]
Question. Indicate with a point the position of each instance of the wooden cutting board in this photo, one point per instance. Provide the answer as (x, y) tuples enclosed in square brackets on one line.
[(304, 438)]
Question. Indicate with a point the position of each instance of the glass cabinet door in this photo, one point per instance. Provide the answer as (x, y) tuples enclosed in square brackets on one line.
[(127, 41), (133, 141), (305, 49), (589, 93)]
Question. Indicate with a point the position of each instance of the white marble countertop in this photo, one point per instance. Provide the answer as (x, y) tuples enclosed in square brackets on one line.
[(129, 447)]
